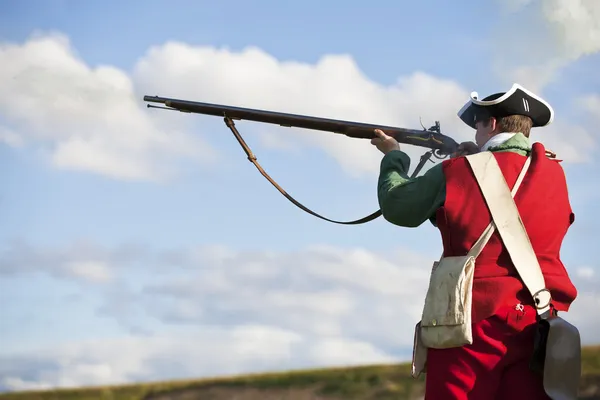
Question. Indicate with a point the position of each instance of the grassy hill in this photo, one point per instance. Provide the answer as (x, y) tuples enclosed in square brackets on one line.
[(368, 382)]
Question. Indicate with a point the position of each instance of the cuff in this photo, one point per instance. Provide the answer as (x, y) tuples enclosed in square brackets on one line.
[(395, 160)]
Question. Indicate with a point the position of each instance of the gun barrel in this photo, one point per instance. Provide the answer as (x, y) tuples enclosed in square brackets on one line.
[(431, 139)]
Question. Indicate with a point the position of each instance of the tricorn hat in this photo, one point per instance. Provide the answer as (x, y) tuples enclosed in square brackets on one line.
[(517, 101)]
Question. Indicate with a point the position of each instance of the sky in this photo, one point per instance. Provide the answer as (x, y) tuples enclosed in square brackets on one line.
[(140, 244)]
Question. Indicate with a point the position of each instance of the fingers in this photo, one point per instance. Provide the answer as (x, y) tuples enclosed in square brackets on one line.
[(465, 149), (462, 147), (380, 134), (461, 150), (384, 142)]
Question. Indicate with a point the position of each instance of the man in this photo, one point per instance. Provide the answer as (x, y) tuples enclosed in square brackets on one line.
[(496, 364)]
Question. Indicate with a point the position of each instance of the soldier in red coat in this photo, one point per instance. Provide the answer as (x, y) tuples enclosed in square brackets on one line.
[(496, 364)]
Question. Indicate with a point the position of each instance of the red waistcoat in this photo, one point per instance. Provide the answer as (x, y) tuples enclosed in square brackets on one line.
[(543, 203)]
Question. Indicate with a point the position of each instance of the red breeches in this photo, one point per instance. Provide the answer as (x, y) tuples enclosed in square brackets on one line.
[(494, 367)]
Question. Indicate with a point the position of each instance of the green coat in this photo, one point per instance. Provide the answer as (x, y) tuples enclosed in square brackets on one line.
[(410, 202)]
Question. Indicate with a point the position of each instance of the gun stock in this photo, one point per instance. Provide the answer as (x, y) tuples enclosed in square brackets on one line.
[(441, 145)]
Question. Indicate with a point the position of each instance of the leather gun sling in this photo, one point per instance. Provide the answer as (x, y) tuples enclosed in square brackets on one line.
[(252, 158)]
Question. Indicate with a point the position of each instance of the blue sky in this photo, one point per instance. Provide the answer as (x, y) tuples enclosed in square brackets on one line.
[(94, 261)]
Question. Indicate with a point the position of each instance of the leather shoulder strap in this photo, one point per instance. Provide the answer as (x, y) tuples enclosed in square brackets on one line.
[(505, 216), (489, 230)]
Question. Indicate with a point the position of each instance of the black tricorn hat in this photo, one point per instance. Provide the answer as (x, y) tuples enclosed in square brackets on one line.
[(517, 101)]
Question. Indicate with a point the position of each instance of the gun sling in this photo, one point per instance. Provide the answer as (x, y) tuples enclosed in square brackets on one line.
[(252, 158)]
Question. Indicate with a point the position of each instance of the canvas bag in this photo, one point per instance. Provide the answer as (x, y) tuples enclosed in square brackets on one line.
[(446, 318), (557, 346)]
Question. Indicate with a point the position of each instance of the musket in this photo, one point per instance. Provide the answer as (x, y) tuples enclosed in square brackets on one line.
[(439, 144)]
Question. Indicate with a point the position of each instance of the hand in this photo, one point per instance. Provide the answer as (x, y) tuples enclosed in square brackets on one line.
[(384, 143), (465, 149)]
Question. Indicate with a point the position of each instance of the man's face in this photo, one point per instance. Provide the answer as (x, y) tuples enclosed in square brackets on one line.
[(484, 131)]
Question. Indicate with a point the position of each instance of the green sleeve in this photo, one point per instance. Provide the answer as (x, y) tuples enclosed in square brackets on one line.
[(409, 202)]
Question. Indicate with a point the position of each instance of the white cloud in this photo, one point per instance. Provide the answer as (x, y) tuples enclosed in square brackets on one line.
[(83, 117), (204, 352), (81, 261), (334, 87), (132, 358), (570, 147), (576, 24), (222, 311), (320, 290), (10, 137), (94, 271), (585, 272), (578, 146), (545, 38)]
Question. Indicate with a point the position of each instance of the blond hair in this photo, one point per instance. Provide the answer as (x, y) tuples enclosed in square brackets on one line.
[(515, 123)]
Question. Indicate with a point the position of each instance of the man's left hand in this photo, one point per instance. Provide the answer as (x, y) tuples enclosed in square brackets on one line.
[(465, 149), (384, 143)]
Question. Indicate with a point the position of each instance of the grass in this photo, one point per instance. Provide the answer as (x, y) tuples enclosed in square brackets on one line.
[(365, 382)]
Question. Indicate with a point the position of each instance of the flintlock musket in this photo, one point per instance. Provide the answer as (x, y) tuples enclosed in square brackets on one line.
[(440, 145)]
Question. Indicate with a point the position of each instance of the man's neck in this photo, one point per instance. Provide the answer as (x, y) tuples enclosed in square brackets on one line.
[(497, 140)]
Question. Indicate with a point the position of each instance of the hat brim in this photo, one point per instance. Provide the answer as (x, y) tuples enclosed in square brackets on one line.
[(516, 101)]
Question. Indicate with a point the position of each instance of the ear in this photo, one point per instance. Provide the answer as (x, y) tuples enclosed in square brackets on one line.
[(493, 124)]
